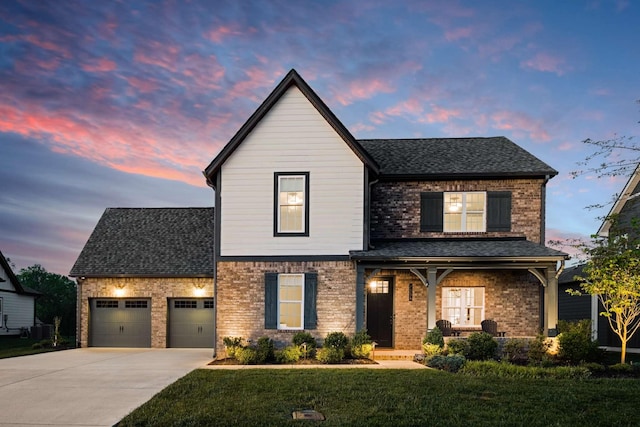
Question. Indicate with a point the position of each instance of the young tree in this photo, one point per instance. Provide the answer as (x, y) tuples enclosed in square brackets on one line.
[(58, 297), (613, 275)]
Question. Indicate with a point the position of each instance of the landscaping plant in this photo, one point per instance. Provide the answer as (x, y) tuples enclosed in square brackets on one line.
[(361, 345)]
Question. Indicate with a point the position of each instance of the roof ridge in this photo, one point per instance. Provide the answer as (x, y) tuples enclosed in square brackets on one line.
[(432, 138)]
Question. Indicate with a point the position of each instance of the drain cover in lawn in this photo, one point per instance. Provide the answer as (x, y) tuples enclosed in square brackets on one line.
[(308, 414)]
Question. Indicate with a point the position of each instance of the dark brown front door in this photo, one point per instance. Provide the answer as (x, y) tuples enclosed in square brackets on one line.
[(380, 311)]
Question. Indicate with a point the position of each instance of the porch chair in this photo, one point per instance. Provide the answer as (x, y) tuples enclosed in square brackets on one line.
[(491, 327), (445, 327)]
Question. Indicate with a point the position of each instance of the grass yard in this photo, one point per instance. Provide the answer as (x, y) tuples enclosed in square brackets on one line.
[(363, 397), (15, 346)]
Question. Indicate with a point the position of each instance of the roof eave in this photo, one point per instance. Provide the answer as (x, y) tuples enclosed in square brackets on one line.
[(292, 78), (452, 260), (465, 176), (139, 276)]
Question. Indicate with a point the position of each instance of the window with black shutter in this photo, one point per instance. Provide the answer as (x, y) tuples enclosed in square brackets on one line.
[(499, 211), (286, 306), (431, 213)]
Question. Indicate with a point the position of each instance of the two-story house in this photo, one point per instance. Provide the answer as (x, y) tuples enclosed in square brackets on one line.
[(317, 231)]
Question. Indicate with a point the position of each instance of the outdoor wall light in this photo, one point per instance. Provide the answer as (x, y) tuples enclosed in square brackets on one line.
[(410, 291), (120, 289), (199, 289)]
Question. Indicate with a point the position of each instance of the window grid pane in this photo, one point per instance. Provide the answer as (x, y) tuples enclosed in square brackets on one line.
[(291, 200), (464, 212), (463, 306), (379, 287), (290, 301)]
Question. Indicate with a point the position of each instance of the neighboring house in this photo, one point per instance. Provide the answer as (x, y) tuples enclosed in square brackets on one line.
[(317, 231), (17, 303), (626, 210)]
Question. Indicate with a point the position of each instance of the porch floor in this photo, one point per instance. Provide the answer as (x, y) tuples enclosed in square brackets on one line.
[(392, 354)]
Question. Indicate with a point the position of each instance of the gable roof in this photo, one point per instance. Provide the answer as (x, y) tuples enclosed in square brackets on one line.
[(12, 277), (454, 157), (631, 191), (149, 242), (291, 79)]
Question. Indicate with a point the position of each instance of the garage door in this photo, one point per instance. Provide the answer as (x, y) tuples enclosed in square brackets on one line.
[(120, 323), (191, 322)]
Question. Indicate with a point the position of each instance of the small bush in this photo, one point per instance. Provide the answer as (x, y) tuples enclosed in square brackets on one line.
[(451, 363), (265, 349), (434, 336), (457, 346), (305, 338), (289, 354), (624, 370), (595, 368), (482, 346), (231, 344), (575, 343), (539, 351), (36, 346), (337, 340), (46, 343), (431, 350), (515, 350), (246, 355), (361, 345), (492, 368), (330, 355)]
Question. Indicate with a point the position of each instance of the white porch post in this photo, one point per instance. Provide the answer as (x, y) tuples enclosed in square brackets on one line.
[(431, 298), (551, 303)]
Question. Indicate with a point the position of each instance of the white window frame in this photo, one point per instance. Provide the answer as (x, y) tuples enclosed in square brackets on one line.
[(464, 306), (462, 206), (284, 326), (304, 227)]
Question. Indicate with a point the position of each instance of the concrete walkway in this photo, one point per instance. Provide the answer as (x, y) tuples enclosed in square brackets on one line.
[(88, 386)]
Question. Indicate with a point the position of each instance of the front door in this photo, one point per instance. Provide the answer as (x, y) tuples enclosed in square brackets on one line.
[(380, 311)]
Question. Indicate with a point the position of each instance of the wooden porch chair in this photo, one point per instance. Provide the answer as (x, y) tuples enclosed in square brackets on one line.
[(445, 327), (491, 327)]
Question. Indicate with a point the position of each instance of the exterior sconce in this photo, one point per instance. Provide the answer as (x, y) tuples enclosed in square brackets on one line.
[(410, 291), (120, 289), (199, 289)]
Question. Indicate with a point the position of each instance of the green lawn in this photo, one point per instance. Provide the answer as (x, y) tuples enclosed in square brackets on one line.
[(364, 397), (15, 346)]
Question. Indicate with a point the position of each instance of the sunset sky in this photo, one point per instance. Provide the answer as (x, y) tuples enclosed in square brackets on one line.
[(124, 103)]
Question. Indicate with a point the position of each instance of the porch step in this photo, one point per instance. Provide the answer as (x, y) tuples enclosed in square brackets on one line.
[(395, 354)]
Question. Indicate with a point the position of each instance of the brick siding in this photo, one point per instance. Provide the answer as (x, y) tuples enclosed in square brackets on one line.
[(395, 207), (157, 289)]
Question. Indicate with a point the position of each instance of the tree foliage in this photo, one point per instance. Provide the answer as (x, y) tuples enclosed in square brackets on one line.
[(613, 275), (58, 297)]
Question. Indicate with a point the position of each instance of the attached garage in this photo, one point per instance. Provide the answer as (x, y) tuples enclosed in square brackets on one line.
[(120, 322), (191, 323)]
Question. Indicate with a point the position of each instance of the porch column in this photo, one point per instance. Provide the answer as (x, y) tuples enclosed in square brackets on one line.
[(551, 303), (431, 298), (360, 297)]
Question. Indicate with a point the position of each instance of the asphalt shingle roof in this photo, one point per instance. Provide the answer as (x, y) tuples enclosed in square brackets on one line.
[(568, 274), (447, 157), (457, 248), (152, 242)]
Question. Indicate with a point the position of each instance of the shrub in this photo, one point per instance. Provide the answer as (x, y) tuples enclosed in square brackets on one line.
[(46, 344), (265, 349), (36, 346), (482, 346), (492, 368), (515, 350), (538, 351), (451, 363), (246, 355), (457, 346), (625, 370), (330, 355), (290, 354), (337, 340), (361, 345), (434, 336), (231, 344), (431, 350), (305, 338), (575, 343)]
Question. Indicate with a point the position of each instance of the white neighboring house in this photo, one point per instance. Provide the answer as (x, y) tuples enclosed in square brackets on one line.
[(17, 303)]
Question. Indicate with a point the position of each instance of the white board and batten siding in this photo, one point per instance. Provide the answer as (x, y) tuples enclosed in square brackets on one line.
[(18, 308), (292, 137)]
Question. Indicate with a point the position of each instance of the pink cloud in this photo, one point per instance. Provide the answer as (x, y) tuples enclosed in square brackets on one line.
[(217, 35), (158, 54), (440, 114), (101, 65), (566, 242), (458, 33), (142, 85), (520, 123), (546, 62), (363, 89)]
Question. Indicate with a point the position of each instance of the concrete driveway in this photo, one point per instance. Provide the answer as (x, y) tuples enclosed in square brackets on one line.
[(88, 386)]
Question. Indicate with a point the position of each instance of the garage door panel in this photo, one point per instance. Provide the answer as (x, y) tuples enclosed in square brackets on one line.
[(191, 323), (120, 323)]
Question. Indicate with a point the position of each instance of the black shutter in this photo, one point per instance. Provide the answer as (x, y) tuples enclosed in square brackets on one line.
[(310, 290), (431, 214), (271, 300), (499, 211)]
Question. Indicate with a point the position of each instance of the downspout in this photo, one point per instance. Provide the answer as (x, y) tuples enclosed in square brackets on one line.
[(215, 266), (371, 184), (543, 213)]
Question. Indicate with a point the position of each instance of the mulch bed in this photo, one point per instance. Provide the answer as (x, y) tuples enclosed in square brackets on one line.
[(229, 361)]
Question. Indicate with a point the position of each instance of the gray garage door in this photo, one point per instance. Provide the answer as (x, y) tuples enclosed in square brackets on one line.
[(120, 322), (191, 322)]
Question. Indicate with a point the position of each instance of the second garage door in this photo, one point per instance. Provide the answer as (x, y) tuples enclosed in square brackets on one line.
[(191, 322), (120, 323)]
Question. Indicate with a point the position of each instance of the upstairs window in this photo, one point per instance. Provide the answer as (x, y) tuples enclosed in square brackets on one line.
[(464, 212), (463, 306), (291, 216)]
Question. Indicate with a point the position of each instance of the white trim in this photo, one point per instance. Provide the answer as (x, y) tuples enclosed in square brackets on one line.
[(617, 207), (462, 305), (463, 212)]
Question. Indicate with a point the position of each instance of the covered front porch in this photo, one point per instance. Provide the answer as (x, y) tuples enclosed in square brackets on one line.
[(400, 297)]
